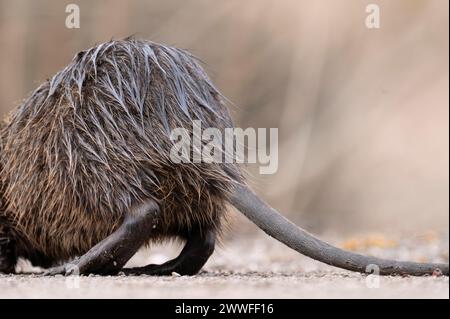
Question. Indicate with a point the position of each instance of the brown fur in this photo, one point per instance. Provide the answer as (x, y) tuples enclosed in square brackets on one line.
[(94, 140)]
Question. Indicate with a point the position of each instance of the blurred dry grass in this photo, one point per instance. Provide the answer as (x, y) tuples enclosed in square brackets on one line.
[(362, 114)]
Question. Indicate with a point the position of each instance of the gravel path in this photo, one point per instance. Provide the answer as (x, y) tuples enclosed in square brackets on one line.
[(260, 268)]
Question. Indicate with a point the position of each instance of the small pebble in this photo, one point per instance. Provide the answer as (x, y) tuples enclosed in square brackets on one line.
[(437, 273)]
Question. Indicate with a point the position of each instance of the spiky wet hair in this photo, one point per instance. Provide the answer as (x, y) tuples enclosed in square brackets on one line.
[(95, 139)]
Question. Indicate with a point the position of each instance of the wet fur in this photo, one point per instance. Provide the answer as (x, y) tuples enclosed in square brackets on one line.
[(93, 141)]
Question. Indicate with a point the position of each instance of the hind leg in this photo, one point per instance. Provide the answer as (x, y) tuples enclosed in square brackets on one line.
[(111, 254), (190, 261), (8, 252)]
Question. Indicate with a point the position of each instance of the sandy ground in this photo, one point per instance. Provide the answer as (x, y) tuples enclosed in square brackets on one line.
[(251, 268)]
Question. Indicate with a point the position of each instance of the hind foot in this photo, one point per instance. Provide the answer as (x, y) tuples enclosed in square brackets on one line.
[(192, 258), (8, 254), (111, 254)]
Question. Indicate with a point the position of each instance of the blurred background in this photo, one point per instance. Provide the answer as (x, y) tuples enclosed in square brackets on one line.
[(362, 113)]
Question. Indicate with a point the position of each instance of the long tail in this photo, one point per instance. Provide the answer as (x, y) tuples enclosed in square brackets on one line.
[(275, 225)]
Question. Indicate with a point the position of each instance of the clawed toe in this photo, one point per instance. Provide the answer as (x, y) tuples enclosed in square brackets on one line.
[(65, 270), (59, 270), (150, 270)]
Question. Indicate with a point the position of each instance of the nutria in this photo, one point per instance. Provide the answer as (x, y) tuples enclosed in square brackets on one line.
[(86, 171)]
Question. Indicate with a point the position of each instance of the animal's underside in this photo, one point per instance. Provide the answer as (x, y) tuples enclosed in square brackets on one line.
[(87, 178)]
